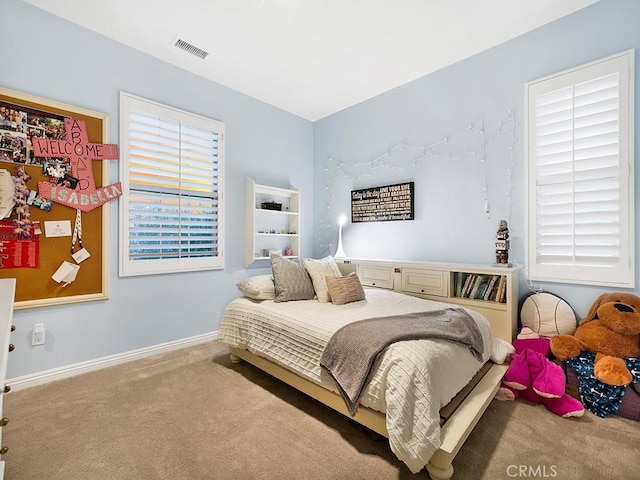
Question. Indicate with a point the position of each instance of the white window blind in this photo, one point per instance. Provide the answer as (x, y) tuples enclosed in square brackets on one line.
[(580, 175), (172, 208)]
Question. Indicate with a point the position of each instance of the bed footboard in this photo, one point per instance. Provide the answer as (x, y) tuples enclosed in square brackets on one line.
[(461, 423)]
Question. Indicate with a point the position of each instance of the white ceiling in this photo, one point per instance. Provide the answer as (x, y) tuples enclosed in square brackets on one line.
[(312, 57)]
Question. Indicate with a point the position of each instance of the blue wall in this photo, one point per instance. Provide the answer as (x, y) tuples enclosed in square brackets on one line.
[(454, 180), (49, 57)]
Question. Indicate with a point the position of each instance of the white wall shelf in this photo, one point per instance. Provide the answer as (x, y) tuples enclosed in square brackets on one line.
[(267, 230)]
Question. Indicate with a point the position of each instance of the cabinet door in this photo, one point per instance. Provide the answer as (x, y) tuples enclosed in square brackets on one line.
[(425, 281), (375, 276)]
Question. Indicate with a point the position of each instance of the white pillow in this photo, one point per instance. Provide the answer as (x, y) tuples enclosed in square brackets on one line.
[(501, 350), (319, 270), (260, 287)]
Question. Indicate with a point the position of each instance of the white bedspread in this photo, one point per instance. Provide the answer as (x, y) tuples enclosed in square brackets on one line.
[(413, 379)]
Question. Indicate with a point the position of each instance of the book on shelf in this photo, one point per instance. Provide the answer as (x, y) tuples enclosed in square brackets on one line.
[(468, 284), (503, 297), (461, 279), (501, 293), (482, 289), (476, 285), (491, 287), (494, 291)]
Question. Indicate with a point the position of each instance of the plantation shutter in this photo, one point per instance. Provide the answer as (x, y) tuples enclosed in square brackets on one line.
[(580, 186), (173, 186)]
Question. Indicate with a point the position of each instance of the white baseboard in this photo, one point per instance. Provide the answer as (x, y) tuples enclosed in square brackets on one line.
[(40, 378)]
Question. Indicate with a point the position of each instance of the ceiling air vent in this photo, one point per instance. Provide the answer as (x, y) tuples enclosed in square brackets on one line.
[(192, 49)]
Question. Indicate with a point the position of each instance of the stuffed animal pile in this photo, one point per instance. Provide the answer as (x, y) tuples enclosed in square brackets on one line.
[(611, 330), (532, 376)]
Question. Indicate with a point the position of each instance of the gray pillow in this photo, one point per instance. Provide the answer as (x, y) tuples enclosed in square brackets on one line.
[(291, 280)]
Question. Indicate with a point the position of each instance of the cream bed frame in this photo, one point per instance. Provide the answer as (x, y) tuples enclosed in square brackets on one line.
[(459, 425), (453, 433)]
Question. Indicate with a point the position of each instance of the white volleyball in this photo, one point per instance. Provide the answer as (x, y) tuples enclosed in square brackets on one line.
[(548, 315)]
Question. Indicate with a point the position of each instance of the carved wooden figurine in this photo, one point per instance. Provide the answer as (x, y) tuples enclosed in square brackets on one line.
[(502, 243)]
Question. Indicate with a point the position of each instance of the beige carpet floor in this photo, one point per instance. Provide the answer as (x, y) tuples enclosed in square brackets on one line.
[(191, 414)]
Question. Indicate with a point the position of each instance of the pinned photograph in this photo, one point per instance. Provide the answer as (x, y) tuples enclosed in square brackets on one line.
[(55, 169), (36, 200), (68, 181)]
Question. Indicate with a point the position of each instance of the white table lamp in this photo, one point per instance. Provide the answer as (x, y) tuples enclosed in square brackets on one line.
[(340, 251)]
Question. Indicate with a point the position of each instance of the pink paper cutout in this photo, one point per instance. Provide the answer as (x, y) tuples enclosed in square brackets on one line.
[(80, 153)]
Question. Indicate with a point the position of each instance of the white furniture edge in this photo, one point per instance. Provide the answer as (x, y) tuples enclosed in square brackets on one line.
[(7, 298), (40, 378)]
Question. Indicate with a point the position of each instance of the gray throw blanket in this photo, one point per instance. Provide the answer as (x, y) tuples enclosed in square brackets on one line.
[(353, 349)]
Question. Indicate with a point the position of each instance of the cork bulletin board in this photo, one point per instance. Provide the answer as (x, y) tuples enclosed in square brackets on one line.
[(382, 204), (35, 286)]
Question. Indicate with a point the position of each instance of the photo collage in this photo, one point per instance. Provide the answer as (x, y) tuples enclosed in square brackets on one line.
[(19, 125)]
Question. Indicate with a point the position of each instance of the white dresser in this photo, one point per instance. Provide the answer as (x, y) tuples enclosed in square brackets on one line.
[(7, 295)]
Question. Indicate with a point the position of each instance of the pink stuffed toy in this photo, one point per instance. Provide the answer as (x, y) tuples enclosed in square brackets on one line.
[(532, 376)]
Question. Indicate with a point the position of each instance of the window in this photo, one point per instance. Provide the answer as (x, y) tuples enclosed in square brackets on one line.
[(171, 210), (580, 175)]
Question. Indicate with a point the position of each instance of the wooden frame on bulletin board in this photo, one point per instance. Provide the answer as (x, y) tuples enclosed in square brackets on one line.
[(34, 286)]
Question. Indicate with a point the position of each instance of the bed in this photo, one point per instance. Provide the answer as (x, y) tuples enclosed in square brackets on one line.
[(425, 395)]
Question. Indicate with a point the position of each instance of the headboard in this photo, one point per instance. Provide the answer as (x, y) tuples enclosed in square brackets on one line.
[(495, 294)]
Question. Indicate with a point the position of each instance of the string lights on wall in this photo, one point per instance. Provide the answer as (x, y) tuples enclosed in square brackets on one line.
[(469, 143)]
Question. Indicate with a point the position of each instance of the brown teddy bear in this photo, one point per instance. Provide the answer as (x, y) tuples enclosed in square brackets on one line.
[(611, 330)]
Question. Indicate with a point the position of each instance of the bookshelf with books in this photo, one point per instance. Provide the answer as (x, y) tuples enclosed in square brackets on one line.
[(479, 286), (490, 289)]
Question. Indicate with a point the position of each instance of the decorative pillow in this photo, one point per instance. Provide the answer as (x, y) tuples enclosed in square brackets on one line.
[(260, 287), (345, 289), (547, 314), (291, 280), (319, 270)]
